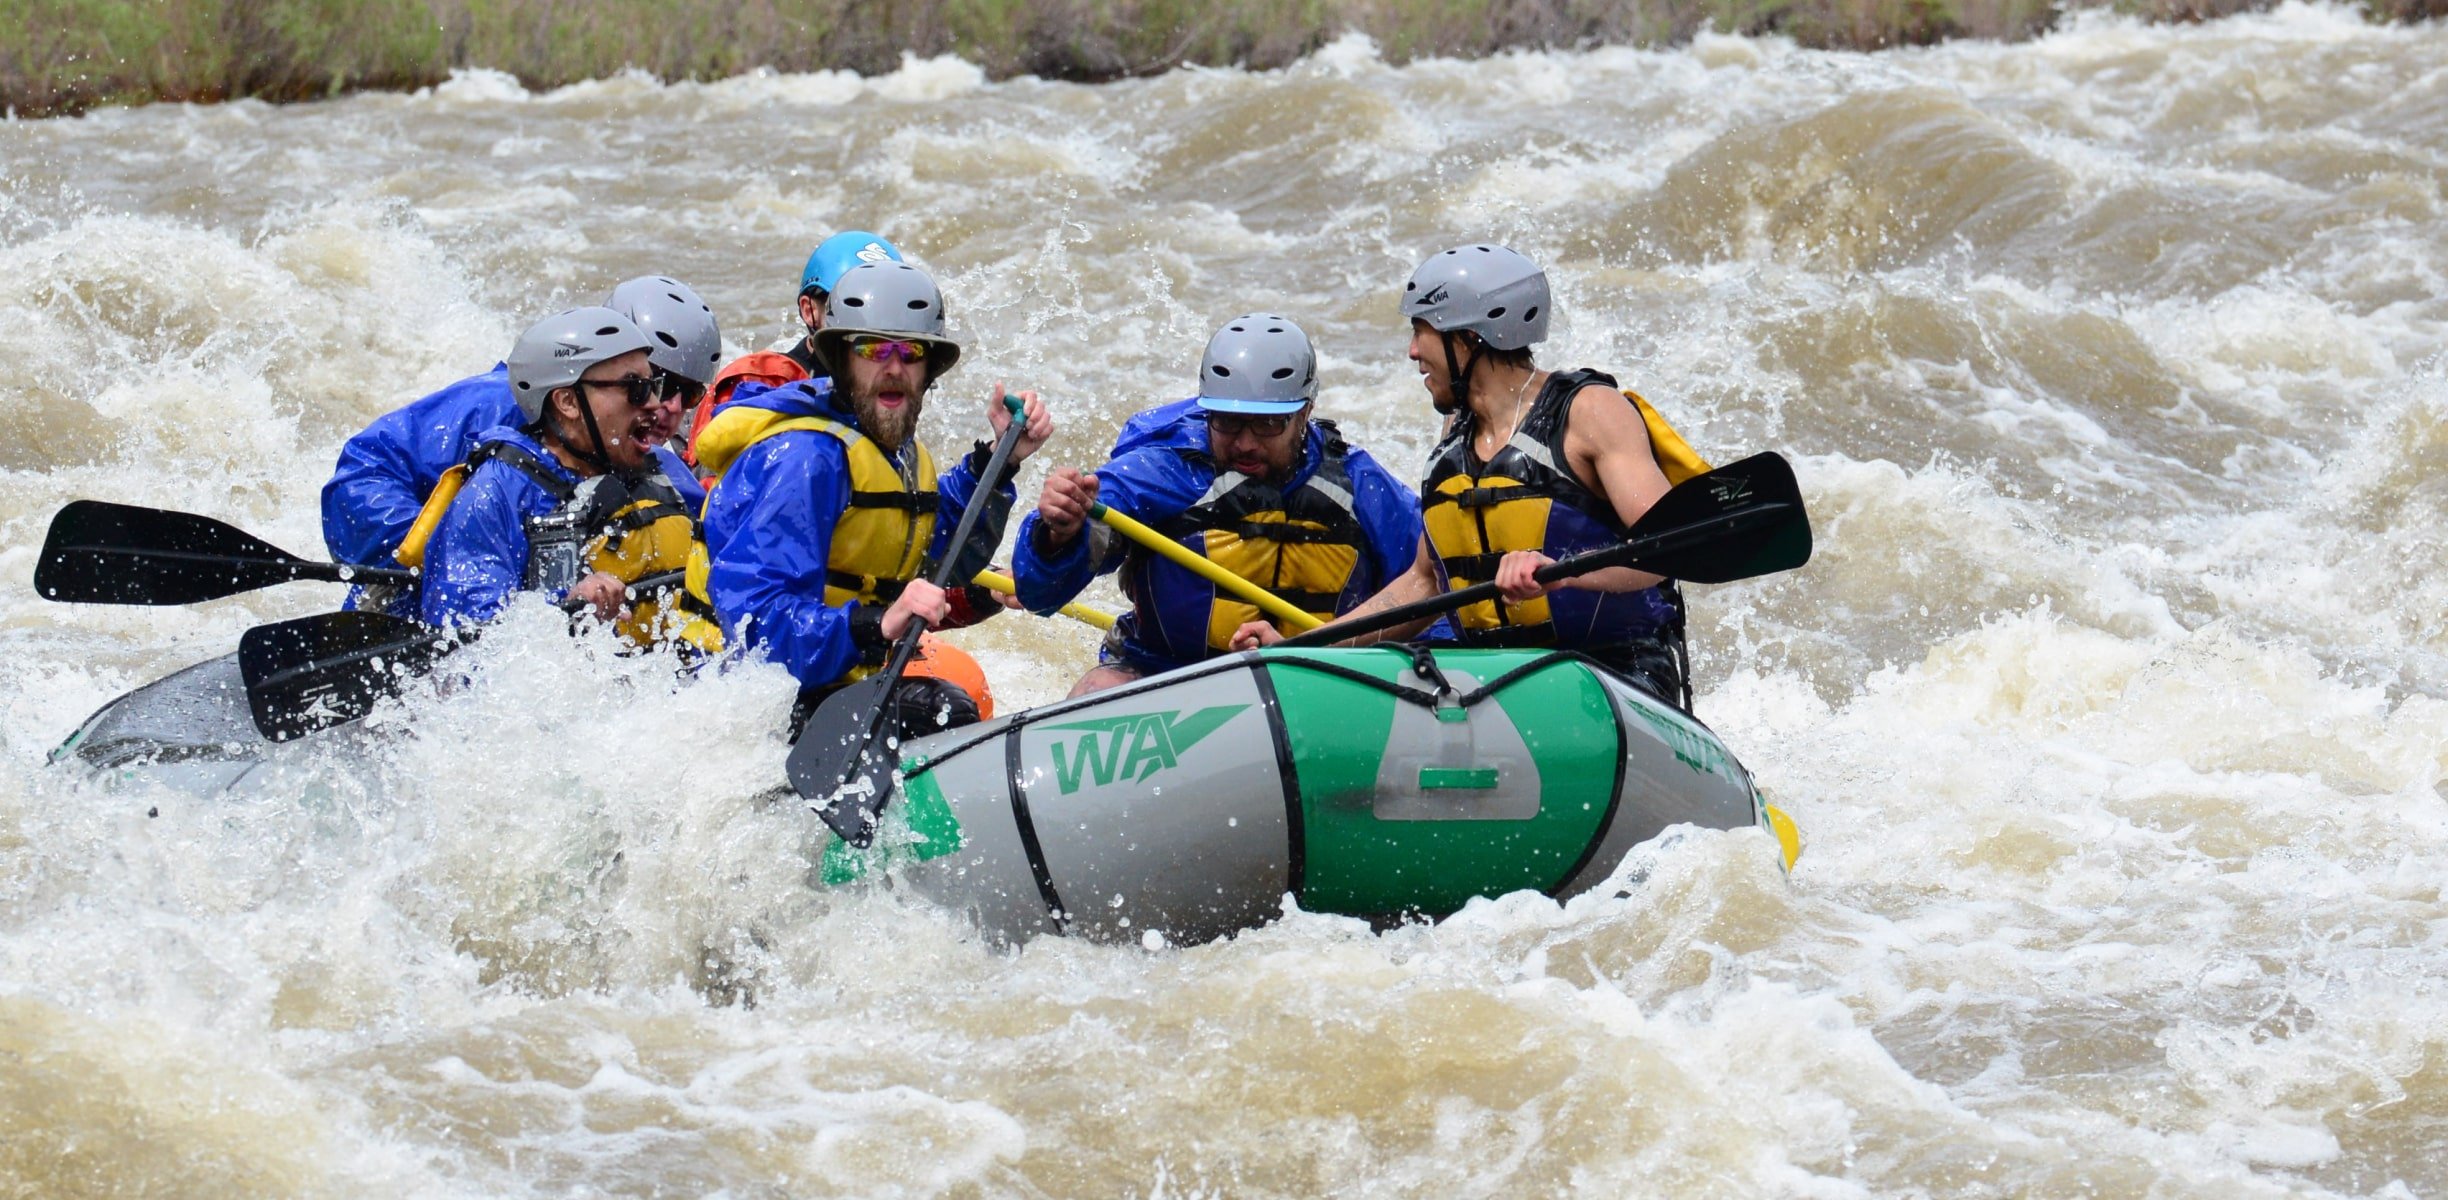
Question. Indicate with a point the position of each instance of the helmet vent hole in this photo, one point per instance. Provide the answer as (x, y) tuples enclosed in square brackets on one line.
[(1496, 312), (1275, 329), (667, 339), (1222, 370), (853, 302), (1240, 329), (1412, 286), (1530, 313), (608, 331), (1282, 373), (920, 305)]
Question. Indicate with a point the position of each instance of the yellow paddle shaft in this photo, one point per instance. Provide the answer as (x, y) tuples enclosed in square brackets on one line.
[(1268, 602), (1078, 612)]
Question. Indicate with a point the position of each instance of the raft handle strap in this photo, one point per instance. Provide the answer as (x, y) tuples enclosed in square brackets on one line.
[(1234, 662), (1433, 700)]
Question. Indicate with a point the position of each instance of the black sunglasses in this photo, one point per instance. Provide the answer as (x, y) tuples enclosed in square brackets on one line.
[(640, 391), (688, 390)]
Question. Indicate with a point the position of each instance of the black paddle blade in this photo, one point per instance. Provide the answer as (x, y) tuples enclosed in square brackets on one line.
[(104, 553), (316, 672), (844, 759), (1729, 542), (1740, 520)]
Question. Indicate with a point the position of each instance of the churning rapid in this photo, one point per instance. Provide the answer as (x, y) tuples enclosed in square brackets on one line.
[(2114, 708)]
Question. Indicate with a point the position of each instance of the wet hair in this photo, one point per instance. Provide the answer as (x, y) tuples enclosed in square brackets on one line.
[(1505, 358)]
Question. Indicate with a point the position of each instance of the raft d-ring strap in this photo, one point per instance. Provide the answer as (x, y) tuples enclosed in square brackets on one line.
[(1399, 691), (1424, 665), (1517, 674)]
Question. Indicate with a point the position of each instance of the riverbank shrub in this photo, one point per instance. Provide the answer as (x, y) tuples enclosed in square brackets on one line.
[(69, 55)]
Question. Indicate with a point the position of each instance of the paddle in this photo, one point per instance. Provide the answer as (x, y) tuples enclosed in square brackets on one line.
[(1268, 602), (316, 672), (1740, 520), (1093, 617), (104, 553), (843, 762)]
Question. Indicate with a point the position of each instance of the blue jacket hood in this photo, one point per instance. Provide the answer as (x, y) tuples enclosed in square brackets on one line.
[(803, 398)]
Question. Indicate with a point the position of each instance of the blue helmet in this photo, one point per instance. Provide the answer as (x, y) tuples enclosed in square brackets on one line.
[(841, 252)]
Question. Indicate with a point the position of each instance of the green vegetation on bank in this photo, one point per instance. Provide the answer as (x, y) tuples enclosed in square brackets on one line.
[(72, 54)]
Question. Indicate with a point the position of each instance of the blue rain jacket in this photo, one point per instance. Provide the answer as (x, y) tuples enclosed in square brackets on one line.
[(385, 472), (769, 530), (683, 478), (478, 553), (1159, 469)]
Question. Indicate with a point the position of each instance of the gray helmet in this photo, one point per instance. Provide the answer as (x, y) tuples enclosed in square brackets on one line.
[(686, 341), (1488, 290), (555, 351), (886, 299), (1260, 364)]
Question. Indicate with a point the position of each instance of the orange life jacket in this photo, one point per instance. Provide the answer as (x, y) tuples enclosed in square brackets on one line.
[(770, 367)]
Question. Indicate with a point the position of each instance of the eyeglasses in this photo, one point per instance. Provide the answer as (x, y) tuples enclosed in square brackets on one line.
[(1234, 425), (641, 391), (687, 391), (876, 349)]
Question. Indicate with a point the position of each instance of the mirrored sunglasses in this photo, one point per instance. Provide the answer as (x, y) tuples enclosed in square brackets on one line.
[(876, 349)]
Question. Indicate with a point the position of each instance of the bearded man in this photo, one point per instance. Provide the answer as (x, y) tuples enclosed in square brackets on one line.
[(826, 509), (1243, 475)]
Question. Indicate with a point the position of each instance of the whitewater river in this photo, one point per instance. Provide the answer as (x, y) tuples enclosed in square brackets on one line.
[(2114, 708)]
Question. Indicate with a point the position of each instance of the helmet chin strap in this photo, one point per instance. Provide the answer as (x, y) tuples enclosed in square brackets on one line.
[(1458, 377), (600, 456)]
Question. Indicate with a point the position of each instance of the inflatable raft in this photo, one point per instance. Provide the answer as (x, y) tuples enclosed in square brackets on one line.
[(1381, 783), (190, 731)]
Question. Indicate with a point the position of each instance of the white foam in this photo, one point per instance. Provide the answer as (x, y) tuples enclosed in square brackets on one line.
[(930, 79), (2109, 707), (478, 86)]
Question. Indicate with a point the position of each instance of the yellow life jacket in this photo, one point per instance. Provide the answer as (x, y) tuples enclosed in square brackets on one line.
[(880, 541), (1302, 545), (1525, 497), (631, 529)]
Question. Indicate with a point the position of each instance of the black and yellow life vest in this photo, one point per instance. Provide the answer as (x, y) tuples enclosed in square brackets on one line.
[(880, 542), (631, 528), (1302, 545), (1525, 497)]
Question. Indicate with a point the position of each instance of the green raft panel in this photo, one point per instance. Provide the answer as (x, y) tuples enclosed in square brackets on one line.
[(1380, 783)]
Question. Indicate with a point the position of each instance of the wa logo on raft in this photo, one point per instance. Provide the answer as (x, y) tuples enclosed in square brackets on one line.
[(1132, 748)]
